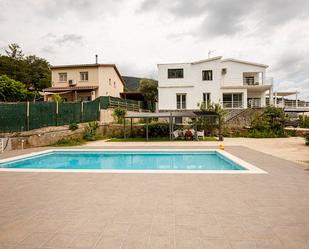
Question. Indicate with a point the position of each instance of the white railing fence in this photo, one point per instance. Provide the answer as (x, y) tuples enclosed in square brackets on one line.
[(1, 145), (232, 104), (254, 103)]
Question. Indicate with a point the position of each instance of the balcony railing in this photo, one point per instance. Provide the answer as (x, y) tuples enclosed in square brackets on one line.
[(232, 104), (254, 103)]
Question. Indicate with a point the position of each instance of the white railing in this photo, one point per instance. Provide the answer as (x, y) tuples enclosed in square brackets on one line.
[(232, 104), (254, 103), (1, 145), (292, 104)]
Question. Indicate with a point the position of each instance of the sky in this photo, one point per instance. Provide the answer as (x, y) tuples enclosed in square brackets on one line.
[(136, 35)]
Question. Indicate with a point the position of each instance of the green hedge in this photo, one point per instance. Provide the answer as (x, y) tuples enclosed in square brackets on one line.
[(158, 129)]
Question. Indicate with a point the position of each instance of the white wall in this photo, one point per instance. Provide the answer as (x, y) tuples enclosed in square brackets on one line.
[(235, 70), (194, 86)]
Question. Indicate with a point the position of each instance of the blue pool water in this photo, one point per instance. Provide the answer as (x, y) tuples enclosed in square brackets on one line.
[(126, 160)]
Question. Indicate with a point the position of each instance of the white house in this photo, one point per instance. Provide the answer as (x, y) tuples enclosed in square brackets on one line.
[(232, 83)]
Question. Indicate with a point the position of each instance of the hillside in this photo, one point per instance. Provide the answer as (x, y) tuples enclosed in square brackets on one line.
[(131, 83)]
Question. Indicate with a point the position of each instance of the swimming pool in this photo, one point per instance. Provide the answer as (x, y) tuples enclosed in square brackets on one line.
[(175, 161)]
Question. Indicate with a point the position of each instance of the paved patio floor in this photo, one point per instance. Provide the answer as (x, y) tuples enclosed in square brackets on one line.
[(151, 211)]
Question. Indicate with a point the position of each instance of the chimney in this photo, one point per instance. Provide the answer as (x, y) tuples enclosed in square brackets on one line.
[(96, 59)]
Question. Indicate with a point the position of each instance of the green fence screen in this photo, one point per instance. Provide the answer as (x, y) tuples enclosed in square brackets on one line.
[(14, 118), (42, 114)]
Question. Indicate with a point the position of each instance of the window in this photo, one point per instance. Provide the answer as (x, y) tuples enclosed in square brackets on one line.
[(207, 74), (62, 77), (115, 84), (206, 99), (84, 76), (181, 101), (232, 100), (175, 73), (110, 82), (178, 120), (249, 80)]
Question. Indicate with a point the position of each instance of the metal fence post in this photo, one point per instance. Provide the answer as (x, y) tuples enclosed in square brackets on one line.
[(99, 112), (82, 111), (28, 114), (57, 111)]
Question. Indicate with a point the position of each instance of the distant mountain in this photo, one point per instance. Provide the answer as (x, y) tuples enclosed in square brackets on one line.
[(131, 83)]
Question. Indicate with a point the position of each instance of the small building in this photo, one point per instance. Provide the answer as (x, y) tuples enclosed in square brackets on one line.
[(84, 82), (235, 84)]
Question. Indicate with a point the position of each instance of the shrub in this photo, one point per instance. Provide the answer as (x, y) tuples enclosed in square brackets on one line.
[(303, 121), (270, 124), (210, 123), (158, 129), (73, 126), (119, 114), (69, 142), (91, 131), (57, 98), (307, 139)]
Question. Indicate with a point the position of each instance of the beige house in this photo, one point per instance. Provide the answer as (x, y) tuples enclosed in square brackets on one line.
[(84, 82)]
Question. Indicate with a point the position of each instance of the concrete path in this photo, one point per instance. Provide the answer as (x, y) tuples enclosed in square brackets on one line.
[(167, 211), (292, 148)]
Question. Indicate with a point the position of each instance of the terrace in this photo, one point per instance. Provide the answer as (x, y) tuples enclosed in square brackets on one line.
[(82, 210)]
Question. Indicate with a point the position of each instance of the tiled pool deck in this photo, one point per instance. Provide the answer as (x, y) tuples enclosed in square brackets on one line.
[(80, 210)]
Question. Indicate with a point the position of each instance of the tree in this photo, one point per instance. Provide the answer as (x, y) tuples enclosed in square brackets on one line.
[(119, 114), (57, 98), (14, 51), (270, 124), (37, 73), (209, 123), (12, 91), (149, 89), (31, 70)]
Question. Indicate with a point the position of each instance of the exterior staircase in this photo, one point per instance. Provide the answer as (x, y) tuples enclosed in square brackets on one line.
[(240, 118)]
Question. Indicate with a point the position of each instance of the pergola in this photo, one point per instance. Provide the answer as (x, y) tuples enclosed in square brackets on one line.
[(194, 115)]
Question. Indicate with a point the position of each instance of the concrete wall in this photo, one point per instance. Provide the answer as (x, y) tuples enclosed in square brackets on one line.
[(50, 135), (110, 82), (106, 116)]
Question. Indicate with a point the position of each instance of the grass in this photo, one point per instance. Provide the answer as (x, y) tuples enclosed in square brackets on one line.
[(138, 139), (152, 139), (69, 142)]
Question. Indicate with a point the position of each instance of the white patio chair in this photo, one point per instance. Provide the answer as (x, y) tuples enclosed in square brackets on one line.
[(201, 134), (176, 134)]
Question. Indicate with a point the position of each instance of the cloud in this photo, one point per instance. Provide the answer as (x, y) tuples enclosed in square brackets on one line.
[(138, 34), (48, 49), (87, 9), (70, 39), (228, 17)]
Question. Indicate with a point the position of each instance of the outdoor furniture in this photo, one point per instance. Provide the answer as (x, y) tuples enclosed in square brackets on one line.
[(176, 133), (191, 134), (201, 134)]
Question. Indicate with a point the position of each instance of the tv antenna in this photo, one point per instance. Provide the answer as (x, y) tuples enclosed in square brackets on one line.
[(210, 52)]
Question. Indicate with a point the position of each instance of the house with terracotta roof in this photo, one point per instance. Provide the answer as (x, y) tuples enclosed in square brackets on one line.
[(84, 82)]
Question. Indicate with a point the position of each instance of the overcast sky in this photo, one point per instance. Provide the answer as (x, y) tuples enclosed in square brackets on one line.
[(138, 34)]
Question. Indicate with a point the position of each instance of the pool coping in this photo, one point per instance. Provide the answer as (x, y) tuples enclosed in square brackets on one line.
[(250, 169)]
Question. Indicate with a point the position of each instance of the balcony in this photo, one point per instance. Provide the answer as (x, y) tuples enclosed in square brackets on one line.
[(232, 104), (254, 103), (253, 78)]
